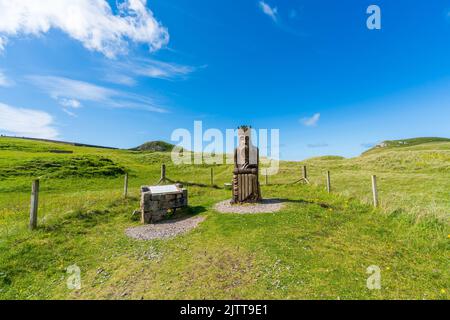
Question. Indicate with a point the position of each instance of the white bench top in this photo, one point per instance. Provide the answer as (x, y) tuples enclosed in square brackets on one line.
[(164, 189)]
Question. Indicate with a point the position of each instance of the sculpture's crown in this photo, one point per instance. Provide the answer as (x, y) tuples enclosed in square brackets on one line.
[(244, 128), (244, 131)]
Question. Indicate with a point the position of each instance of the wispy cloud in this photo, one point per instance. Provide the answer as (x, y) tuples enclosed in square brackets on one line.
[(94, 23), (158, 69), (70, 113), (69, 104), (26, 122), (311, 121), (282, 21), (125, 72), (118, 78), (272, 12), (4, 81), (71, 93), (65, 88)]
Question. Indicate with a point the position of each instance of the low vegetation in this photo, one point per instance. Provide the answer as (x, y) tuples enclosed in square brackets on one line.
[(155, 146), (319, 246)]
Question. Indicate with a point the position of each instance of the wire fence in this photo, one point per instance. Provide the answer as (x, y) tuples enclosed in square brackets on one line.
[(71, 195)]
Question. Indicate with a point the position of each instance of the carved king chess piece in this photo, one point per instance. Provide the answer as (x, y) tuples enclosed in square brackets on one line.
[(246, 188)]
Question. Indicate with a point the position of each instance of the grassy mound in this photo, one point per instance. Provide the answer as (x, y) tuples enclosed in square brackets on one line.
[(82, 166), (155, 146), (8, 144)]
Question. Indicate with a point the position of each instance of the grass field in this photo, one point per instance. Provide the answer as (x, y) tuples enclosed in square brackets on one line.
[(318, 247)]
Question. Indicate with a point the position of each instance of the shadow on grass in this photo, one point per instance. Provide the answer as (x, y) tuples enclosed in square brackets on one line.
[(194, 184), (186, 213), (307, 202)]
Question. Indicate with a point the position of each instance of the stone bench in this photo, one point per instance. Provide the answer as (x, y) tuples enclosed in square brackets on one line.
[(157, 200)]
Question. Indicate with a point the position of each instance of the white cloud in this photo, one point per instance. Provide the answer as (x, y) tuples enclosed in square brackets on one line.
[(70, 103), (268, 10), (92, 22), (3, 42), (312, 121), (26, 122), (4, 81), (73, 91)]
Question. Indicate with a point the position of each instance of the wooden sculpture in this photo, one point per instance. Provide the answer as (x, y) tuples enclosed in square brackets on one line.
[(246, 188)]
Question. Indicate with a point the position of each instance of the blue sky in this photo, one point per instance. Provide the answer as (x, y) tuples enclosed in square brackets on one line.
[(310, 68)]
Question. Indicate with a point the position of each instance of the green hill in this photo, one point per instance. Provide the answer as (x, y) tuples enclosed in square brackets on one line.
[(318, 247), (414, 179), (155, 146), (406, 143)]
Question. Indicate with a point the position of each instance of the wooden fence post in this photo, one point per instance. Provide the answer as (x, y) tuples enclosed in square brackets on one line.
[(304, 177), (34, 204), (125, 186), (163, 174), (375, 191), (328, 182), (212, 176)]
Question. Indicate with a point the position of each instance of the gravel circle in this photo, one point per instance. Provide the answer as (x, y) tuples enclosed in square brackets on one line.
[(164, 229), (264, 206)]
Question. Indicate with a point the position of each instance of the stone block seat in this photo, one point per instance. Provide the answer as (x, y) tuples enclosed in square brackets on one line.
[(157, 200)]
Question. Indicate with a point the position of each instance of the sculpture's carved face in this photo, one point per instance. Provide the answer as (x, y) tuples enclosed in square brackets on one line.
[(241, 141), (244, 158), (244, 138)]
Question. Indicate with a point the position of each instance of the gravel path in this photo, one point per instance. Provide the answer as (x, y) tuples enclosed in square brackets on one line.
[(164, 229), (265, 206)]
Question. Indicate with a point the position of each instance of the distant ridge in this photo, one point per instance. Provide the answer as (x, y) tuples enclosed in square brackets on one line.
[(156, 146), (407, 142), (76, 144)]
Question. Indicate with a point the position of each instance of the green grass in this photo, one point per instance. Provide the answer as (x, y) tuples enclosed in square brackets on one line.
[(318, 247)]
